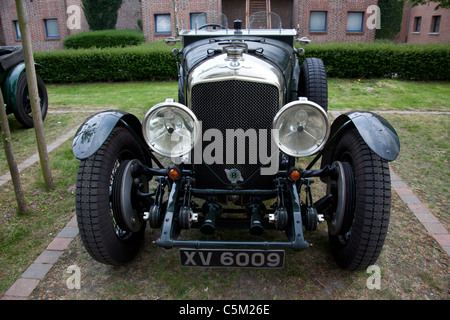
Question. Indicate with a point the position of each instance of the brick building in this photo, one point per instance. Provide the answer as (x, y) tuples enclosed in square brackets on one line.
[(320, 20), (424, 24), (49, 19), (46, 21)]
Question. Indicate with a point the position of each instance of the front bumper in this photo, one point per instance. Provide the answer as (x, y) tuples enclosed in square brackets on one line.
[(294, 230)]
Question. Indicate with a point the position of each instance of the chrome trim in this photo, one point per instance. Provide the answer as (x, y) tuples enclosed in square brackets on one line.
[(310, 103), (173, 104), (248, 68)]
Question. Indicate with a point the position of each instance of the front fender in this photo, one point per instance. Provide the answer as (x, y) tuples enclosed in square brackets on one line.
[(375, 130), (10, 86), (96, 129)]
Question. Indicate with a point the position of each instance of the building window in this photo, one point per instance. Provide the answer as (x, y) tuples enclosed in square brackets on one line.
[(355, 21), (17, 29), (162, 23), (318, 21), (51, 28), (417, 23), (197, 20), (435, 23)]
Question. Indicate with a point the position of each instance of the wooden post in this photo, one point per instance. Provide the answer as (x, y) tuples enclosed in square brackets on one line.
[(15, 175), (33, 92)]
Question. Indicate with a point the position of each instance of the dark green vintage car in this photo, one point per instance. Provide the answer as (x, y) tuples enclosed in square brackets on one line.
[(13, 81)]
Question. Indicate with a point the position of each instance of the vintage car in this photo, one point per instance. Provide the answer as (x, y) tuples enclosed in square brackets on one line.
[(247, 112), (13, 81)]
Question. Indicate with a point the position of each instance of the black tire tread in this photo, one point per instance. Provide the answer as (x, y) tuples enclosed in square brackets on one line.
[(372, 210), (92, 205), (313, 82)]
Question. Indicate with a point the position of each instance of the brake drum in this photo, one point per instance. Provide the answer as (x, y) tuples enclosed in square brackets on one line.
[(343, 190)]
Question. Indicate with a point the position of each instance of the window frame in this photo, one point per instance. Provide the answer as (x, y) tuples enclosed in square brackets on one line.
[(326, 20), (18, 35), (417, 24), (46, 29), (361, 29), (435, 19), (156, 15)]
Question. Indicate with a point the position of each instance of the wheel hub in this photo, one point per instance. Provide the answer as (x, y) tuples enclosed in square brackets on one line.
[(343, 189), (123, 189)]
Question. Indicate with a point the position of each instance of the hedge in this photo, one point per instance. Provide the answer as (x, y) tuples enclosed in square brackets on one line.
[(114, 64), (384, 60), (152, 61), (104, 39)]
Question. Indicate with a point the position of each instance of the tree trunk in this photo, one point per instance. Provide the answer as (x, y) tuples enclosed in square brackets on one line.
[(15, 174), (33, 92)]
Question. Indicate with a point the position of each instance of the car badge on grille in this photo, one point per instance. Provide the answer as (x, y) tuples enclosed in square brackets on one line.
[(234, 175)]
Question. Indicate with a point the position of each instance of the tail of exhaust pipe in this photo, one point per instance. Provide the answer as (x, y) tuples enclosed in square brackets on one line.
[(211, 210), (256, 213)]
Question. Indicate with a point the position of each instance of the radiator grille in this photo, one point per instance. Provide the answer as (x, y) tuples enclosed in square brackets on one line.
[(234, 104)]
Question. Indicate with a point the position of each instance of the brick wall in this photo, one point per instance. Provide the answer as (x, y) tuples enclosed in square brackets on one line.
[(38, 12), (128, 15), (425, 35), (292, 12), (150, 8), (337, 12)]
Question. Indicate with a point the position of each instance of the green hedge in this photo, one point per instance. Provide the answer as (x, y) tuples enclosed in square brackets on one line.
[(152, 61), (104, 39), (144, 62), (384, 60)]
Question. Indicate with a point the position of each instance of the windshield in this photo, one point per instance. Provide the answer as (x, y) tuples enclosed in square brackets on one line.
[(209, 20), (212, 20), (264, 20)]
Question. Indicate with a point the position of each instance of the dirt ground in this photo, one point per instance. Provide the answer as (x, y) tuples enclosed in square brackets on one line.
[(412, 264)]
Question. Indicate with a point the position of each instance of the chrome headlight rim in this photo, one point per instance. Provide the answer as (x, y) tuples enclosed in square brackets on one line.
[(281, 112), (171, 104)]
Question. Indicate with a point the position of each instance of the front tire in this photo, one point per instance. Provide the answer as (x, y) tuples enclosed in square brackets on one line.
[(358, 243), (100, 232)]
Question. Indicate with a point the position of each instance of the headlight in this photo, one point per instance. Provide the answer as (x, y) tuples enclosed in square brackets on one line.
[(170, 129), (301, 128)]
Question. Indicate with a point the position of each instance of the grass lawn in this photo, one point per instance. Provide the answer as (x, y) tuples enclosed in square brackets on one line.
[(387, 94), (135, 97), (423, 164)]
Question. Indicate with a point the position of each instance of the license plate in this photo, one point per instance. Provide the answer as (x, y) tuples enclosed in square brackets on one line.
[(223, 258)]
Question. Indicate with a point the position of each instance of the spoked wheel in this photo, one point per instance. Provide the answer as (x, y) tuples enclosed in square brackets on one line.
[(111, 227), (23, 111), (363, 191)]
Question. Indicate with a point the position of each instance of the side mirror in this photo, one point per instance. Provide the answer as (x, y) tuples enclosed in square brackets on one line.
[(303, 41), (171, 41)]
